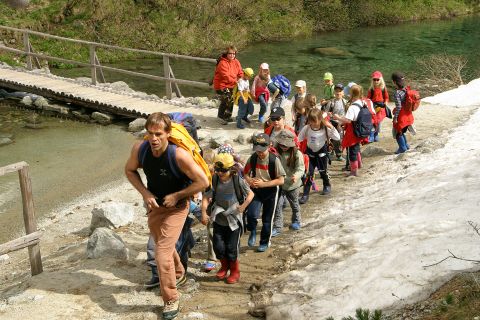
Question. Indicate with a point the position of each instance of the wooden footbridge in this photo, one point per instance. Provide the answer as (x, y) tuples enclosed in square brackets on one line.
[(91, 95)]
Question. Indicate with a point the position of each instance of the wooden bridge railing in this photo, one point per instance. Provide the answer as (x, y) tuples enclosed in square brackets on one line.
[(94, 63), (32, 237)]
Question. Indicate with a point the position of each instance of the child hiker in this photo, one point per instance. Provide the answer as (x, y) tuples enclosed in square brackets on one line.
[(350, 140), (230, 195), (210, 263), (402, 118), (264, 173), (317, 132), (298, 108), (328, 92), (259, 90), (379, 95), (292, 162), (243, 98), (338, 106)]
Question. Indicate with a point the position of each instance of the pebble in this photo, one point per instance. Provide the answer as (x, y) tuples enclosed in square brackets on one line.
[(4, 258)]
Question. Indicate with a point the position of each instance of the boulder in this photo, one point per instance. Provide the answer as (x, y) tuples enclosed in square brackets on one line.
[(81, 116), (106, 243), (26, 101), (137, 125), (372, 150), (56, 109), (332, 51), (40, 102), (111, 215), (5, 141), (102, 118)]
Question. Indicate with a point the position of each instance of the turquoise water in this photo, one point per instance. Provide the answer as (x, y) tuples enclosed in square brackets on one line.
[(381, 48), (66, 159)]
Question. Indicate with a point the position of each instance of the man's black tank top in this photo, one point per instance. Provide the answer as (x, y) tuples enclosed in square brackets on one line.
[(161, 180)]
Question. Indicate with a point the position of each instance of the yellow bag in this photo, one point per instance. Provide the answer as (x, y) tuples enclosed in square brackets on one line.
[(181, 138)]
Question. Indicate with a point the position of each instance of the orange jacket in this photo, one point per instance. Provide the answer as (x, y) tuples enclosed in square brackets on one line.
[(227, 73)]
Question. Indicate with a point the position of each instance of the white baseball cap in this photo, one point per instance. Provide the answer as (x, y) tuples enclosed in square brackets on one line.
[(264, 66), (300, 83)]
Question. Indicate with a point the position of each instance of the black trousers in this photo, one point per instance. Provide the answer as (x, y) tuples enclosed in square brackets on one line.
[(226, 243), (225, 109)]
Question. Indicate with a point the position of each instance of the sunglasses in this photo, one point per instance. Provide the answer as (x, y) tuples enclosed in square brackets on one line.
[(222, 170), (376, 79), (275, 118)]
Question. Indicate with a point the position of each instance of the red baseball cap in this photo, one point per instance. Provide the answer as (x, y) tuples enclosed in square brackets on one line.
[(377, 75)]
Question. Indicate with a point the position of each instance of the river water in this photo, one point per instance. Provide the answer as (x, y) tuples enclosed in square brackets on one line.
[(69, 159), (387, 49)]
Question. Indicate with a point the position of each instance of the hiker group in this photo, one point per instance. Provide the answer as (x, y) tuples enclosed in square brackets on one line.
[(230, 195)]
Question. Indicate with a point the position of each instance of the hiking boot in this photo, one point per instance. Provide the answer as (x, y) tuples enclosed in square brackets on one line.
[(346, 168), (170, 309), (182, 280), (252, 238), (326, 190), (340, 158), (262, 248), (153, 282), (275, 233), (240, 125), (223, 122), (303, 199), (209, 266), (261, 119), (295, 226), (246, 120)]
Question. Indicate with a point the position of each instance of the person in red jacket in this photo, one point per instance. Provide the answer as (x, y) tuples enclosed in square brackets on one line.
[(379, 95), (402, 118), (227, 72)]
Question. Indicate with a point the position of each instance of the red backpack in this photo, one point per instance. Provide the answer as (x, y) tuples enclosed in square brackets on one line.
[(412, 99)]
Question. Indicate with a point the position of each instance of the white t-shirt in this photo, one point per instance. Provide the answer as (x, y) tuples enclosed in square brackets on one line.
[(354, 110), (316, 138), (243, 85)]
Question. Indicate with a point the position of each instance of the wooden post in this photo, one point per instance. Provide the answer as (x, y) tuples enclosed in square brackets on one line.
[(26, 45), (29, 219), (166, 71), (97, 63), (175, 85), (93, 68)]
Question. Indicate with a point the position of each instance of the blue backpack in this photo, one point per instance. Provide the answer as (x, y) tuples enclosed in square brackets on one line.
[(363, 125), (283, 84)]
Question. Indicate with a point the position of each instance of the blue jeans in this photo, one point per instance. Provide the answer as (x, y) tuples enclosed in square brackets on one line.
[(244, 109), (263, 105), (266, 198)]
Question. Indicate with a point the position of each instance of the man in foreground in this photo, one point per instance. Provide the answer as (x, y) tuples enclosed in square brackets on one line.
[(166, 198)]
